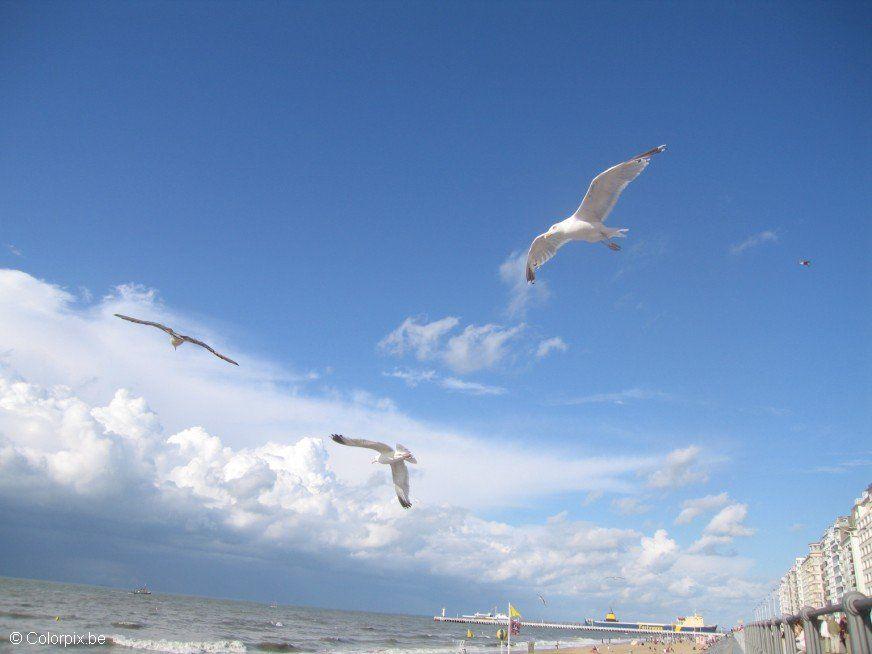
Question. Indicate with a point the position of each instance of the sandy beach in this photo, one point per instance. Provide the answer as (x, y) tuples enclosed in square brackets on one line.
[(623, 648)]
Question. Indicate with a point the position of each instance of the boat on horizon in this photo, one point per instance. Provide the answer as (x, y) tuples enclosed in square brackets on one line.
[(684, 624), (142, 590)]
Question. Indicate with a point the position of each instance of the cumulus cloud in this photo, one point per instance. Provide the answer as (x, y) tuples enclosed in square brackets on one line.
[(117, 461), (522, 295), (476, 347), (693, 508), (768, 236), (681, 467), (722, 529), (549, 345), (414, 378), (104, 423)]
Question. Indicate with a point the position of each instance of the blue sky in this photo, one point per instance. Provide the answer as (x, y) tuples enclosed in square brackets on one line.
[(297, 180)]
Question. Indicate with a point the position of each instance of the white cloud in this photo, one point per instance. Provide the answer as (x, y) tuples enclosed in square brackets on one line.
[(115, 462), (768, 236), (681, 467), (476, 347), (620, 397), (422, 339), (479, 348), (14, 250), (693, 508), (522, 295), (106, 421), (729, 521), (49, 337), (549, 345), (722, 529), (414, 378), (630, 506), (474, 388)]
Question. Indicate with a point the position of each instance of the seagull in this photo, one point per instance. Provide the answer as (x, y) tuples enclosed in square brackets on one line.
[(804, 262), (175, 338), (395, 458), (542, 598), (586, 224)]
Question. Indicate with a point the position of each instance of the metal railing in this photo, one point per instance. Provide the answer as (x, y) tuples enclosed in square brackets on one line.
[(776, 636), (725, 645)]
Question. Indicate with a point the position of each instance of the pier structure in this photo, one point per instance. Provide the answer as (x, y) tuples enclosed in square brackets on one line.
[(611, 632)]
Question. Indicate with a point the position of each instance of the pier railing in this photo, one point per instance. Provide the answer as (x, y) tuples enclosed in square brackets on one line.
[(777, 636)]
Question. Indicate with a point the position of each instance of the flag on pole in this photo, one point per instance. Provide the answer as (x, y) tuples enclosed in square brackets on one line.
[(514, 620)]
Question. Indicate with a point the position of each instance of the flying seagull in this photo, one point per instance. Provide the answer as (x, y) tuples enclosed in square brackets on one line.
[(542, 598), (805, 263), (395, 458), (586, 224), (175, 338)]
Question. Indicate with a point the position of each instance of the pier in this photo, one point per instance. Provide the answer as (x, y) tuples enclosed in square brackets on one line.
[(578, 626)]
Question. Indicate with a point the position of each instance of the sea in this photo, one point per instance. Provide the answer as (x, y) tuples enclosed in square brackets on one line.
[(41, 613)]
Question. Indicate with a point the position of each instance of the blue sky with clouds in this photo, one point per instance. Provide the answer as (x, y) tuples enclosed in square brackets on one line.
[(337, 195)]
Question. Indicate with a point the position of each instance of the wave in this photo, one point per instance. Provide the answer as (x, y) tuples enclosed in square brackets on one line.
[(19, 614), (128, 625), (277, 647), (181, 646)]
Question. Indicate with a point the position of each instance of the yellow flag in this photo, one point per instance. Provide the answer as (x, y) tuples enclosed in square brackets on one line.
[(513, 612)]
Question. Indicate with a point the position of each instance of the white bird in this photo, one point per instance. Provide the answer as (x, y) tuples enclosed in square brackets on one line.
[(395, 458), (542, 598), (175, 338), (586, 224)]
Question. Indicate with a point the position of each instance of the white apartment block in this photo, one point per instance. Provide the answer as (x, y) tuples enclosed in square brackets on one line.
[(836, 578), (861, 545), (811, 571), (840, 562)]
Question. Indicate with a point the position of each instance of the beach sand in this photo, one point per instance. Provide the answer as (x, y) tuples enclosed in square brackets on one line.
[(622, 648)]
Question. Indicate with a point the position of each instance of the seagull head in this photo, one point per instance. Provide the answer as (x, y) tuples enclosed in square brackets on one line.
[(176, 341), (551, 231)]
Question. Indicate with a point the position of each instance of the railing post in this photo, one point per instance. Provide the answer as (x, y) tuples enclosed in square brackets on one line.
[(789, 638), (774, 630), (776, 636), (859, 625), (767, 638), (810, 631)]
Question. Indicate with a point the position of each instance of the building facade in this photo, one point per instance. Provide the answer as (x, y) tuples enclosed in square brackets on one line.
[(840, 562), (861, 543), (811, 571), (837, 577), (788, 593)]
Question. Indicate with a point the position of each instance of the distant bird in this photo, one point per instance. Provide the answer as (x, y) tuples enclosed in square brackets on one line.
[(542, 598), (395, 458), (616, 578), (804, 262), (586, 224), (175, 338)]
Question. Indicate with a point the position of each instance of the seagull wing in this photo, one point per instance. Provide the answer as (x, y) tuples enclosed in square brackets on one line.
[(400, 473), (541, 250), (149, 323), (202, 344), (606, 188), (543, 599), (382, 448)]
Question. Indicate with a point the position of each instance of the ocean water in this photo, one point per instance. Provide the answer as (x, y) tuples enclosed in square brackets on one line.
[(187, 625)]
